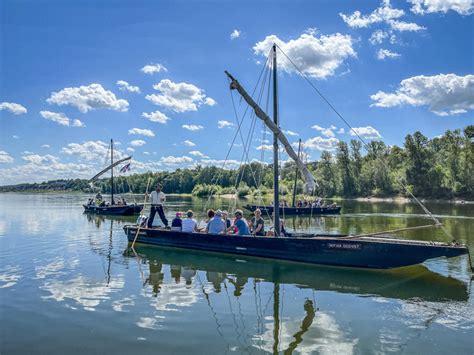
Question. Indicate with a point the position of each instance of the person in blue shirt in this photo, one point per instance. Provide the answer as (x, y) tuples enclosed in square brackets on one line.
[(240, 226), (216, 225)]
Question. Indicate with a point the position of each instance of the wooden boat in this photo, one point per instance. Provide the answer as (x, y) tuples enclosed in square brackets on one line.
[(325, 249), (405, 283), (296, 210), (123, 210), (112, 208), (366, 251)]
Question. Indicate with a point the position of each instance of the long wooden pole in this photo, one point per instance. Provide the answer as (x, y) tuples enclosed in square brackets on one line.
[(276, 188), (143, 209), (393, 231)]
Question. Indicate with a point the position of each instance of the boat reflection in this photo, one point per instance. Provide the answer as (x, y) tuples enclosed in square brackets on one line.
[(404, 283)]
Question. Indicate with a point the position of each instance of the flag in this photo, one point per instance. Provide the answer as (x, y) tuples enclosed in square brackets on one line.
[(125, 168)]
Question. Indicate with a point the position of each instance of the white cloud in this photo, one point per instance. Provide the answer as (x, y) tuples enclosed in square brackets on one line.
[(378, 37), (77, 123), (406, 26), (197, 153), (156, 116), (385, 53), (39, 169), (267, 147), (14, 108), (5, 157), (91, 150), (368, 132), (290, 133), (130, 149), (142, 132), (124, 86), (40, 159), (188, 143), (320, 143), (318, 57), (153, 68), (384, 14), (192, 127), (45, 146), (61, 118), (137, 143), (15, 136), (171, 160), (340, 131), (462, 7), (327, 132), (235, 34), (224, 123), (88, 98), (444, 94), (229, 164), (179, 97)]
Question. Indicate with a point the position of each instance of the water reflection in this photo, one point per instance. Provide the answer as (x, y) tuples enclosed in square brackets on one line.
[(179, 279), (404, 283)]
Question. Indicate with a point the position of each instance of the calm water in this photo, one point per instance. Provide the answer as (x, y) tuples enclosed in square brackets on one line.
[(66, 286)]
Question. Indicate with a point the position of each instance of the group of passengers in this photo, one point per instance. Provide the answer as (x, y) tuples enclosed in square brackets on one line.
[(219, 223), (318, 203), (100, 202)]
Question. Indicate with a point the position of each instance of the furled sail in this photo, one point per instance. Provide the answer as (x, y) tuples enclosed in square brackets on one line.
[(308, 176), (95, 177)]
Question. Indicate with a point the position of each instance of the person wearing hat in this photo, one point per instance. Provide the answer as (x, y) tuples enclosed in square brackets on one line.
[(157, 200), (216, 225), (240, 224), (189, 224), (177, 223)]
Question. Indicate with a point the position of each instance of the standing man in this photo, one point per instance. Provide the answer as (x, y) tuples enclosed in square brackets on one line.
[(157, 199)]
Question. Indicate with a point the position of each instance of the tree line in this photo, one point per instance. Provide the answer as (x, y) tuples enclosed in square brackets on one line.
[(441, 167)]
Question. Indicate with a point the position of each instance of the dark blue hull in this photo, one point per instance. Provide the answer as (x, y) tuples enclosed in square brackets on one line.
[(114, 210), (297, 210), (317, 249)]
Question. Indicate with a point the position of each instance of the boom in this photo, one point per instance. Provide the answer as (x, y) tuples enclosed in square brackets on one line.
[(109, 167), (308, 177)]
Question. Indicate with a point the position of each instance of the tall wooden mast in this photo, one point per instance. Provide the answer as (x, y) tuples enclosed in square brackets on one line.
[(112, 170), (276, 199)]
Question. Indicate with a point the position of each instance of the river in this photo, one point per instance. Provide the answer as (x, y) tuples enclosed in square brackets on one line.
[(66, 286)]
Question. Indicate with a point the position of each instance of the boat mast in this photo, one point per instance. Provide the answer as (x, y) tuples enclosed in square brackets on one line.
[(296, 175), (112, 170), (276, 189)]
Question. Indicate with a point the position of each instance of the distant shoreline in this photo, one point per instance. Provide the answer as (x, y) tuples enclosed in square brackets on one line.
[(394, 199)]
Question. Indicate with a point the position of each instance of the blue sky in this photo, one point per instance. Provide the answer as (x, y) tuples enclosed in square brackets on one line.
[(389, 67)]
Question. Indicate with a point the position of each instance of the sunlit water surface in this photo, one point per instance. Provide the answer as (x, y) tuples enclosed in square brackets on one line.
[(66, 286)]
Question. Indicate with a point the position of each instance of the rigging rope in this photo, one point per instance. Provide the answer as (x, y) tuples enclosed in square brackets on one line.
[(365, 144)]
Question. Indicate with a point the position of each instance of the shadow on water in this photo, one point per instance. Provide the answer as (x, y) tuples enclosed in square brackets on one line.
[(404, 283)]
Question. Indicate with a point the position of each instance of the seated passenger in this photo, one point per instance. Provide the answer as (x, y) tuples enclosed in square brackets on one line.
[(226, 219), (124, 202), (177, 223), (240, 224), (283, 232), (216, 225), (257, 224), (189, 224)]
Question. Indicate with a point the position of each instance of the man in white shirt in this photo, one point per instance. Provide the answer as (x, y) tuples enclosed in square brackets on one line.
[(157, 199)]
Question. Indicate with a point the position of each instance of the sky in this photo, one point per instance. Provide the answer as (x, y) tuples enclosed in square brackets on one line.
[(150, 75)]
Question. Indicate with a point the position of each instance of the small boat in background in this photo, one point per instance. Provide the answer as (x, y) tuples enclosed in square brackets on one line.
[(120, 207), (329, 210)]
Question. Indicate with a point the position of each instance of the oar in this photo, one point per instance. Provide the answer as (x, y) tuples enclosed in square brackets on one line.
[(144, 205)]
